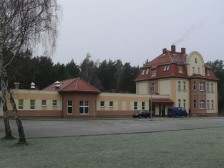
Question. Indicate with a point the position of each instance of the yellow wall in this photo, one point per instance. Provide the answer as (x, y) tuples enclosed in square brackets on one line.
[(142, 87), (38, 96), (196, 64)]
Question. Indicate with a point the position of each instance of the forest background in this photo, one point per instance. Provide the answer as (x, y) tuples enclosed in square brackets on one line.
[(107, 76)]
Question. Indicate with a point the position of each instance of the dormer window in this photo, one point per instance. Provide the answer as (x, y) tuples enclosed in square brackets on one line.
[(143, 72), (166, 68), (208, 72), (153, 72), (180, 69), (147, 71)]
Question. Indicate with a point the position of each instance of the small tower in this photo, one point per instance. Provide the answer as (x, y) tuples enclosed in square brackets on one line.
[(32, 86)]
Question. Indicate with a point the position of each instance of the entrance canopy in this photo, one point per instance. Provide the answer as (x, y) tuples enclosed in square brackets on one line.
[(161, 101)]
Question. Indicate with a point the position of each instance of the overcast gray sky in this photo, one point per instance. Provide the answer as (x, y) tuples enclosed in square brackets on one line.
[(137, 30)]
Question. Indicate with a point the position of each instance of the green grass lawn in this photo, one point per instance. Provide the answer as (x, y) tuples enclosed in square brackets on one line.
[(202, 148)]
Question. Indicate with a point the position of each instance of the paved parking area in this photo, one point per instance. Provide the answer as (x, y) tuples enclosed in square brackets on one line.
[(43, 128)]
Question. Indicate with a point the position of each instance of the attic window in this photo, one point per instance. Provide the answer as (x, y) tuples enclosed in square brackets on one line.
[(166, 68), (196, 60), (208, 72), (180, 69), (147, 71), (153, 72), (143, 72)]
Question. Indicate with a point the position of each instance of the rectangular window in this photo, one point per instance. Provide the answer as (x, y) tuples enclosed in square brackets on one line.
[(212, 87), (212, 104), (202, 104), (135, 105), (166, 68), (101, 103), (195, 86), (193, 70), (84, 107), (69, 107), (208, 72), (153, 72), (202, 86), (184, 103), (207, 104), (111, 104), (178, 85), (20, 104), (143, 105), (195, 104), (179, 102), (54, 103), (147, 71), (180, 69), (199, 71), (44, 102), (184, 85), (143, 72), (207, 87), (153, 88), (32, 104)]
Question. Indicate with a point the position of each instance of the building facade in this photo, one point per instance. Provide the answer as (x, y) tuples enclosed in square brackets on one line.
[(171, 79), (189, 82)]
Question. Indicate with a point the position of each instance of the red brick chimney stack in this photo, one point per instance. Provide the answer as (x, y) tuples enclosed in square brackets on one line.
[(173, 48)]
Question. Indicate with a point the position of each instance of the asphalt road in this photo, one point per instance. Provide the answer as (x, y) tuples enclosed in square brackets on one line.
[(44, 128)]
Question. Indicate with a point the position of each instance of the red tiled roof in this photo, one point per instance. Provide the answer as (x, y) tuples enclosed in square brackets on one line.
[(172, 59), (73, 85)]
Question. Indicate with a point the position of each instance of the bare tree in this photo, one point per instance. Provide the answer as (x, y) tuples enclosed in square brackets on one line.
[(24, 24)]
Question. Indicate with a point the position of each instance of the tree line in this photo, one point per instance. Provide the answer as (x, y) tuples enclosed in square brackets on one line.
[(107, 75)]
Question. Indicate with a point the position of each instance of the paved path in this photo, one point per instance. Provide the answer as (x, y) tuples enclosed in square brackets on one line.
[(79, 127)]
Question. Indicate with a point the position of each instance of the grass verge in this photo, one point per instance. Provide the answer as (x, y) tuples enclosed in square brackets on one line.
[(185, 149)]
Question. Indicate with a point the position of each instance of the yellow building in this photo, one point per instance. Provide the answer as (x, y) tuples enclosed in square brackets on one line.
[(171, 79), (189, 82)]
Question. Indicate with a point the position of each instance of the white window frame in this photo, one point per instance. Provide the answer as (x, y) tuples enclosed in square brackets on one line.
[(143, 105), (202, 104), (212, 87), (179, 102), (135, 105), (207, 87), (111, 104), (54, 103), (184, 85), (143, 72), (83, 107), (180, 69), (212, 104), (184, 103), (207, 104), (102, 104), (195, 104), (202, 86), (195, 86), (147, 71), (153, 88), (20, 104), (32, 104), (69, 107), (44, 102), (153, 72), (178, 85)]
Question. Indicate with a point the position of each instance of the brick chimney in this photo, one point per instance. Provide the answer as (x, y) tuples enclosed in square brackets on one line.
[(164, 51), (183, 50), (173, 48)]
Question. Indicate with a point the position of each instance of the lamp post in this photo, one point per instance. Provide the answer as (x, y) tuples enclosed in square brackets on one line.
[(151, 103)]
